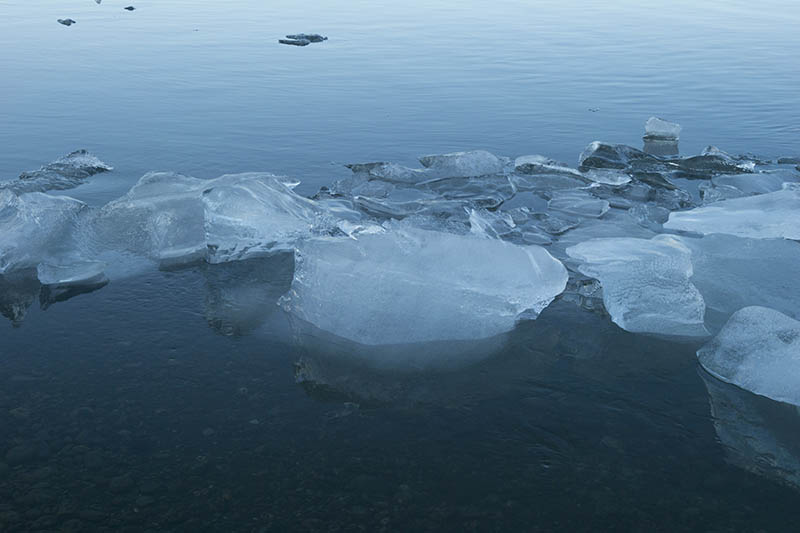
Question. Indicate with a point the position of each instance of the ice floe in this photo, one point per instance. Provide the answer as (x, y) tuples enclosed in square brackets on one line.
[(757, 350)]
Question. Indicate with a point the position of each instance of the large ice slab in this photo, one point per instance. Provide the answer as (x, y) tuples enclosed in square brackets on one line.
[(771, 215), (408, 285), (36, 227), (757, 350), (658, 128), (646, 283)]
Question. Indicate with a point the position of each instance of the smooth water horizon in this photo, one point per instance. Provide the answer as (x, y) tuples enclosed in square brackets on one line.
[(185, 398)]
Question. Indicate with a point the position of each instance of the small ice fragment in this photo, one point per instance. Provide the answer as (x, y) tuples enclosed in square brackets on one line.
[(604, 155), (757, 350), (539, 164), (646, 283), (657, 128), (80, 273), (464, 164), (789, 161), (295, 42), (310, 37), (129, 8), (607, 176), (578, 203), (773, 215), (65, 172), (66, 22), (409, 285), (713, 160)]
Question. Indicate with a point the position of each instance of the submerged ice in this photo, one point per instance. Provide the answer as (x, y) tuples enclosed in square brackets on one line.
[(757, 350)]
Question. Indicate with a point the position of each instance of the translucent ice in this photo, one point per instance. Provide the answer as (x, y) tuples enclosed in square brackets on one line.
[(63, 173), (539, 164), (656, 128), (646, 283), (177, 219), (604, 155), (408, 285), (772, 215), (757, 350), (578, 203), (36, 227), (464, 164)]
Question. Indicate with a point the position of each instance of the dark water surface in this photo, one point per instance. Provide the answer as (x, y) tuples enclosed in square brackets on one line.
[(187, 401)]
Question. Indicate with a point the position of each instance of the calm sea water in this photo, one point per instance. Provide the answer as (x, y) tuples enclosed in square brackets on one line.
[(183, 401)]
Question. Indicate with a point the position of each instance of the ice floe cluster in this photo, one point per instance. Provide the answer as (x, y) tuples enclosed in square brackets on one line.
[(465, 245)]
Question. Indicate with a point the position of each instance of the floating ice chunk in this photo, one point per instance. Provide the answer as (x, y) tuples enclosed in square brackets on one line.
[(604, 155), (710, 193), (63, 173), (464, 164), (646, 286), (733, 272), (162, 217), (660, 147), (489, 224), (578, 203), (79, 273), (713, 160), (789, 161), (409, 285), (607, 176), (757, 350), (757, 183), (255, 214), (295, 42), (657, 128), (36, 227), (772, 215), (539, 164), (391, 172), (178, 219), (547, 182), (311, 37), (399, 203)]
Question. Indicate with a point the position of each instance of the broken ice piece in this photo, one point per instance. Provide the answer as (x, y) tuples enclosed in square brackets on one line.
[(757, 350), (578, 203), (657, 128), (646, 283), (129, 8), (539, 164), (295, 42), (463, 164), (310, 37), (66, 22), (408, 285), (81, 273), (773, 215)]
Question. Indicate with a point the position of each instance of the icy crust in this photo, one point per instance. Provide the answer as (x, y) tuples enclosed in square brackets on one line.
[(65, 172), (765, 216), (408, 285), (646, 283), (759, 351)]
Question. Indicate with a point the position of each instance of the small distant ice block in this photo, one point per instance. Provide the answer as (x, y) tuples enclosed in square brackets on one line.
[(656, 128)]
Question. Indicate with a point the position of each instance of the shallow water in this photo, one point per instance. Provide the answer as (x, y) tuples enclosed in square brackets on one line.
[(188, 401)]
